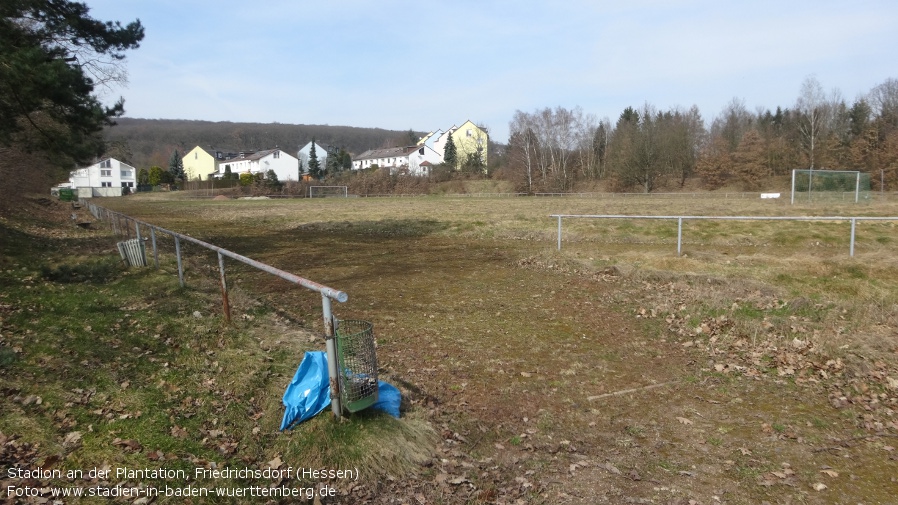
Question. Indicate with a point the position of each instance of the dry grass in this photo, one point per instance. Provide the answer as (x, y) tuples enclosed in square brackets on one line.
[(778, 347)]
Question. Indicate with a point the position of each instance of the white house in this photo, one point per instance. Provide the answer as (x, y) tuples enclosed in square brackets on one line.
[(107, 177), (437, 140), (416, 159), (285, 166)]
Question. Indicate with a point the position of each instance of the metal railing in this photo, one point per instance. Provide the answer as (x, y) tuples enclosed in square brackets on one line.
[(680, 220), (121, 224)]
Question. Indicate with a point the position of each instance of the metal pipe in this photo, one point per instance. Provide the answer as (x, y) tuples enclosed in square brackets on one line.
[(155, 249), (730, 218), (851, 250), (559, 233), (332, 293), (180, 265), (679, 236), (793, 187), (225, 304), (330, 340)]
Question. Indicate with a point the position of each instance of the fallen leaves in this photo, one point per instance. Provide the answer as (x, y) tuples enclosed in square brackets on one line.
[(72, 441), (129, 445)]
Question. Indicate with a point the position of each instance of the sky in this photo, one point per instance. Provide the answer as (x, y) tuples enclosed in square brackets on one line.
[(428, 65)]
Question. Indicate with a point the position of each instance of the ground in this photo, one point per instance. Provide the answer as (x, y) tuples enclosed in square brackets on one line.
[(748, 371)]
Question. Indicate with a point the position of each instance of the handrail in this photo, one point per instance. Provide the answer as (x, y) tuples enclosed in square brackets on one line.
[(853, 219), (327, 293)]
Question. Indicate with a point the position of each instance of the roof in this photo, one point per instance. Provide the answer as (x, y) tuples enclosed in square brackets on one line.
[(326, 147), (101, 160), (389, 152), (255, 156)]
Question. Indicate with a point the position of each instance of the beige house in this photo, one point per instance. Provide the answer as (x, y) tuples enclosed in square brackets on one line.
[(469, 140)]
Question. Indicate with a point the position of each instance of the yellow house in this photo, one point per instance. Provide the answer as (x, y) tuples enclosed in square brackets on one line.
[(470, 140), (198, 164)]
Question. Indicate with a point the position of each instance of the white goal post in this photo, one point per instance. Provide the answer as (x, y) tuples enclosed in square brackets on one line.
[(324, 191), (832, 182)]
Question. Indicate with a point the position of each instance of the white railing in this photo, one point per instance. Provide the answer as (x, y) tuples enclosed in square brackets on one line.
[(680, 220)]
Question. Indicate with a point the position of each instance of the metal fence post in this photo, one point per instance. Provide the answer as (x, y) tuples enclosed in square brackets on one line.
[(679, 235), (225, 303), (180, 265), (155, 250), (851, 250), (559, 233), (331, 346)]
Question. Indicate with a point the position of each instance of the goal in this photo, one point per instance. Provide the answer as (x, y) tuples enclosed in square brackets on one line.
[(830, 185), (325, 191)]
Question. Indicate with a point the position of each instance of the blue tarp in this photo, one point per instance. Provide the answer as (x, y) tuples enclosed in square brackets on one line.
[(309, 392)]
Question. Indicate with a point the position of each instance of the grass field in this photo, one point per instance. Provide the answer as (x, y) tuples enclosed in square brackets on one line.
[(762, 365)]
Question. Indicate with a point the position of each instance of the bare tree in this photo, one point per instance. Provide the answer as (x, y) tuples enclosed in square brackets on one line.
[(587, 151), (884, 100), (522, 146), (816, 112), (732, 123)]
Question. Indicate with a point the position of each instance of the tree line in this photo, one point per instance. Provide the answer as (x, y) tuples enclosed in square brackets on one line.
[(647, 149)]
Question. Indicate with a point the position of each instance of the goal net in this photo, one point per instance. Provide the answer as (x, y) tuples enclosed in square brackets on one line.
[(830, 185), (325, 191)]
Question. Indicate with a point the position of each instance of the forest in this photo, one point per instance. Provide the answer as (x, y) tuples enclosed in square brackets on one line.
[(647, 149)]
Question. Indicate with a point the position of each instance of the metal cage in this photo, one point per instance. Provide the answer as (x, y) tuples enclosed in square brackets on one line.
[(357, 359), (133, 252)]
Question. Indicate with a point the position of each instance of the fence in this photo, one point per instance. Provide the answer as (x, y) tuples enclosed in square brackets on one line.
[(122, 224), (680, 220)]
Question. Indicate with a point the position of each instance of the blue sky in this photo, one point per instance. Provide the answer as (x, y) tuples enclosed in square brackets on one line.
[(428, 65)]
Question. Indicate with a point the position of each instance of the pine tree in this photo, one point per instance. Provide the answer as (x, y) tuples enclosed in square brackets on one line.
[(176, 166), (450, 156), (314, 165), (53, 56)]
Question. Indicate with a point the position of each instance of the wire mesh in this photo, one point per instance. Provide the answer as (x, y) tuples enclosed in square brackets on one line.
[(358, 364)]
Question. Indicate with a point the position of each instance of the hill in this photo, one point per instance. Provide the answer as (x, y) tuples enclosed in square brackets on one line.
[(147, 142)]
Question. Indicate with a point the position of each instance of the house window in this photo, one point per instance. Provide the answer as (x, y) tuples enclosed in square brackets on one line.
[(106, 164), (277, 154), (421, 151), (126, 173), (106, 184), (105, 173), (196, 156), (469, 132), (127, 184)]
